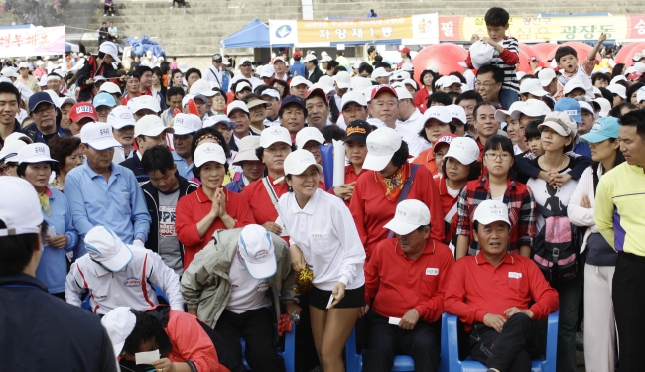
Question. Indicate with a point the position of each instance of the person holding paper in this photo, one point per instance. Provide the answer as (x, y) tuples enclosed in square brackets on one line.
[(116, 274), (405, 283), (323, 236), (236, 285), (35, 166)]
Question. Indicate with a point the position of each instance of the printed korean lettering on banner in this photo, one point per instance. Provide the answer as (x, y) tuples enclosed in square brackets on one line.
[(32, 41)]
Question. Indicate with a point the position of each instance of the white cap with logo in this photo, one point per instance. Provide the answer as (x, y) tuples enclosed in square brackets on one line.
[(186, 124), (209, 152), (120, 117), (490, 211), (35, 153), (381, 146), (274, 134), (145, 102), (309, 134), (457, 112), (104, 246), (151, 125), (21, 212), (256, 248), (353, 96), (98, 136), (298, 161), (202, 87), (441, 113), (464, 150), (410, 214)]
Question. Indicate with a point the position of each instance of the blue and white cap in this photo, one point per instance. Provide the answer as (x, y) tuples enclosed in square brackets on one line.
[(105, 247), (603, 129), (257, 251)]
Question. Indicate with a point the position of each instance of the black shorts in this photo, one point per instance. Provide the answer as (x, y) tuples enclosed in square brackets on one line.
[(354, 298)]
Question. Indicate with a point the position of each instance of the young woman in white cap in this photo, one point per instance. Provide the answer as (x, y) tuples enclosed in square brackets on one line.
[(211, 206), (35, 166), (322, 236), (378, 191)]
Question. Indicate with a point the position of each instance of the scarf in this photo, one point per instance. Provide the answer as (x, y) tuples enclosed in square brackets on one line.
[(44, 201), (393, 185)]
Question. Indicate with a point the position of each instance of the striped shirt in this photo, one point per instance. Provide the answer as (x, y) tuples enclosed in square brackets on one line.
[(507, 61)]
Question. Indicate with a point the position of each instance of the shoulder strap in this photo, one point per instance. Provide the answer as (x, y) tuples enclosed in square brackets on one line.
[(406, 189), (271, 192)]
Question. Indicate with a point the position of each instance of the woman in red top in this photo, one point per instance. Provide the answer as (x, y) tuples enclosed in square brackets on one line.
[(377, 192), (263, 195), (460, 166), (356, 151), (211, 206), (427, 87)]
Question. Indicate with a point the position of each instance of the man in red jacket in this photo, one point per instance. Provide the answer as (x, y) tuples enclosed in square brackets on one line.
[(405, 282), (492, 294)]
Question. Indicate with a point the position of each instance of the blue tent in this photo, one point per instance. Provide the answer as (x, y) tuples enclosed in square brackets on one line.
[(253, 35)]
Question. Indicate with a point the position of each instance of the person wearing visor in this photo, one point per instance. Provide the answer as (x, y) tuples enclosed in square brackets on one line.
[(122, 121), (104, 103), (149, 131), (105, 194), (35, 165), (117, 274), (246, 158), (322, 235), (405, 312), (238, 268)]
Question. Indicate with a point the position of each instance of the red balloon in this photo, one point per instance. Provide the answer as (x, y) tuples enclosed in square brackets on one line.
[(542, 50), (581, 48), (528, 49), (628, 53), (524, 65), (444, 57)]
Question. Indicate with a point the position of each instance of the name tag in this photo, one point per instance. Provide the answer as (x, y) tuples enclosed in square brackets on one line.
[(515, 275), (316, 236), (432, 271)]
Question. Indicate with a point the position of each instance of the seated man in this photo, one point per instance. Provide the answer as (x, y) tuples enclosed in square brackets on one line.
[(118, 275), (492, 294), (228, 284), (404, 307)]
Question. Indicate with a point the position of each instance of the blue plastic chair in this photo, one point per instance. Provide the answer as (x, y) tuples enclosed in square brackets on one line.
[(288, 354), (354, 361), (450, 350)]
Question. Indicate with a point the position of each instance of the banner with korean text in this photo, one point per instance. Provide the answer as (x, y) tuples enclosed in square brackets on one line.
[(32, 41), (544, 29), (420, 29)]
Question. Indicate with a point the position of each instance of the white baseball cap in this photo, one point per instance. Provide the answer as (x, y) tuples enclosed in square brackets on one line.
[(209, 152), (110, 87), (307, 134), (297, 80), (617, 78), (360, 84), (145, 102), (23, 65), (605, 106), (267, 71), (9, 72), (380, 72), (297, 162), (120, 117), (111, 49), (104, 246), (457, 112), (9, 152), (481, 54), (381, 146), (618, 89), (533, 86), (546, 76), (188, 97), (640, 95), (464, 150), (572, 85), (584, 105), (342, 79), (35, 153), (118, 324), (19, 208), (241, 86), (326, 58), (247, 148), (502, 115), (449, 80), (98, 136), (310, 57), (403, 93), (236, 105), (408, 81), (531, 107), (441, 113), (353, 96), (43, 81), (186, 124), (272, 93), (150, 125), (257, 251), (202, 87), (216, 119), (489, 211), (439, 82), (640, 67), (561, 123), (410, 214), (274, 134)]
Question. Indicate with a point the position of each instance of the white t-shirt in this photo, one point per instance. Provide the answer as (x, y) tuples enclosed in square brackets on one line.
[(246, 293)]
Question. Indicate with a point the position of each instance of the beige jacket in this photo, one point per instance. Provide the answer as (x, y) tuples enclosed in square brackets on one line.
[(205, 284)]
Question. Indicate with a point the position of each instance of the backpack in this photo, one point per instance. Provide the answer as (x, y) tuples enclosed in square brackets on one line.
[(556, 249)]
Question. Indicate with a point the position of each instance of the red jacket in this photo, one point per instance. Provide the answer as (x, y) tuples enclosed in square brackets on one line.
[(447, 203), (371, 210), (427, 159), (193, 207), (260, 202), (421, 99), (398, 284)]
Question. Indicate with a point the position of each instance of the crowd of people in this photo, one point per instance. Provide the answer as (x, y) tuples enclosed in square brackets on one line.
[(186, 210)]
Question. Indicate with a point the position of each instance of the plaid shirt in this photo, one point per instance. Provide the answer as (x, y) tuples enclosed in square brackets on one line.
[(522, 212)]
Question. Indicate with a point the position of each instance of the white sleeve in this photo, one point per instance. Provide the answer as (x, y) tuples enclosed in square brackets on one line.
[(354, 252), (578, 215), (73, 290), (166, 279)]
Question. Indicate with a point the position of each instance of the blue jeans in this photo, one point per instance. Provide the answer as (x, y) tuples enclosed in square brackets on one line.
[(507, 97)]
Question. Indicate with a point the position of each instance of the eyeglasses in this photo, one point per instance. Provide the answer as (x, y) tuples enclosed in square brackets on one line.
[(42, 111), (504, 156), (485, 85)]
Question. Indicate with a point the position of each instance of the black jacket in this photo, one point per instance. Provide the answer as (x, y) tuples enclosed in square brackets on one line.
[(32, 132), (152, 201), (314, 76), (42, 333), (88, 71), (134, 164)]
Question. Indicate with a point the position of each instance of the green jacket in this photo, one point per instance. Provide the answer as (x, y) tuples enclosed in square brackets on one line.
[(205, 284)]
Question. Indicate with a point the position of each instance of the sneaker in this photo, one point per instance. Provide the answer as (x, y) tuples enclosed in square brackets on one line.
[(104, 15)]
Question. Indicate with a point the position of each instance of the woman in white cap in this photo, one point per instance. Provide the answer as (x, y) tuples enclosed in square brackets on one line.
[(377, 192), (252, 167), (212, 135), (211, 206), (322, 235), (35, 166)]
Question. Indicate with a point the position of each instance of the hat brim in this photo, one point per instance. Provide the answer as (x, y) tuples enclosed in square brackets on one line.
[(594, 137), (556, 127), (104, 144), (302, 167), (120, 260), (118, 347), (248, 155), (343, 85), (490, 219), (538, 93), (356, 137), (501, 115), (8, 155), (262, 270), (39, 159), (215, 159), (401, 228), (179, 131), (377, 162), (156, 132), (121, 126), (460, 157)]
